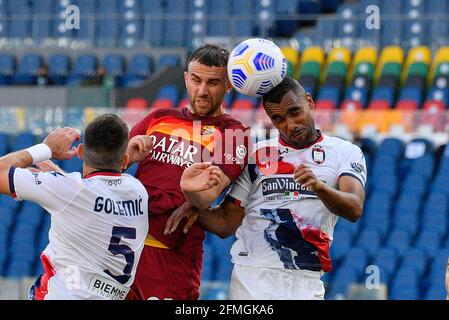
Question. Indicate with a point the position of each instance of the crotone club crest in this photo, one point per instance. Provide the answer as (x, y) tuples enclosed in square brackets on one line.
[(318, 154)]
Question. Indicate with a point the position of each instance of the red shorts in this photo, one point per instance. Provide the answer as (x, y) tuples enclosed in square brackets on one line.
[(166, 274)]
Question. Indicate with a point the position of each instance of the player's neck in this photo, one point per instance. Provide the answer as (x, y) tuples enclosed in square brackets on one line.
[(87, 170), (216, 113)]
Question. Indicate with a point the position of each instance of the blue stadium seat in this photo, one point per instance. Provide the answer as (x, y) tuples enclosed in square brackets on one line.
[(207, 272), (343, 224), (131, 31), (4, 144), (387, 260), (358, 258), (107, 25), (153, 9), (28, 69), (114, 64), (242, 11), (341, 243), (343, 277), (18, 7), (424, 165), (58, 68), (410, 93), (438, 267), (170, 92), (325, 32), (392, 147), (415, 33), (72, 165), (219, 293), (30, 214), (18, 269), (140, 67), (85, 66), (436, 292), (86, 34), (430, 241), (107, 31), (383, 93), (329, 93), (7, 68), (348, 28), (386, 183), (168, 61), (22, 141), (414, 184), (415, 258), (369, 240), (439, 94), (398, 240), (357, 94)]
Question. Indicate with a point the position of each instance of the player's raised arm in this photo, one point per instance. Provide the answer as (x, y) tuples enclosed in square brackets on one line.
[(57, 145), (139, 148), (223, 221), (202, 183), (346, 202)]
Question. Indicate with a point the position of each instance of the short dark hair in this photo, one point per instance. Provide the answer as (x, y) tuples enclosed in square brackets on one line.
[(288, 84), (105, 142), (210, 55)]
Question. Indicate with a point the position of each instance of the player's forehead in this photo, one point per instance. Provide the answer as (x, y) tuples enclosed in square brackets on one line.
[(197, 69), (289, 100)]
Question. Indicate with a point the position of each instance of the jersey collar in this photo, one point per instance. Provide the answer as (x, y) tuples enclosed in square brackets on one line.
[(107, 173), (319, 139)]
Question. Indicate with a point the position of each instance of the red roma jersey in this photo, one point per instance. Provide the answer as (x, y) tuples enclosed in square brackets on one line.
[(179, 139)]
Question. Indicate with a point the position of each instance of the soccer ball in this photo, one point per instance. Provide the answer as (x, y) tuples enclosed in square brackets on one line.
[(256, 66)]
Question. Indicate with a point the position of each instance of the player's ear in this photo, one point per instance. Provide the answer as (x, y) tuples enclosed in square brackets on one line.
[(310, 101), (228, 85), (186, 75), (125, 162), (80, 151)]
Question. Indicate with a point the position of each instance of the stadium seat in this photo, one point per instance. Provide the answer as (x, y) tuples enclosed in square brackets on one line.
[(4, 143), (172, 61), (7, 68), (430, 241), (58, 68), (114, 64), (28, 70), (85, 66), (140, 67)]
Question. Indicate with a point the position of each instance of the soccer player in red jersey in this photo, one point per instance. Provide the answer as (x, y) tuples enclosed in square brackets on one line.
[(170, 265)]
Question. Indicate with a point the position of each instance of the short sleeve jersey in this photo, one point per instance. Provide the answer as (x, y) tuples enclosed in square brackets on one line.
[(285, 224), (98, 228)]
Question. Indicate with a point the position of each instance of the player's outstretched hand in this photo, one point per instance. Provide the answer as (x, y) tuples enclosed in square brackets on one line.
[(305, 176), (60, 142), (184, 211), (139, 148), (200, 177)]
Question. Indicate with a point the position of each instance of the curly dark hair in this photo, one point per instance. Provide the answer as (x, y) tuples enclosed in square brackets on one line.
[(288, 84), (210, 55), (105, 142)]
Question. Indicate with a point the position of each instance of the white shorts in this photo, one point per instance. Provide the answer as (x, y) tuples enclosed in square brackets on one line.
[(253, 283)]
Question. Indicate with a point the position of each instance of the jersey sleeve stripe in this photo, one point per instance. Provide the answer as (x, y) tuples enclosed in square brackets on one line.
[(354, 176), (12, 188), (235, 201)]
